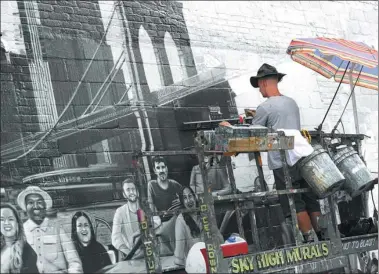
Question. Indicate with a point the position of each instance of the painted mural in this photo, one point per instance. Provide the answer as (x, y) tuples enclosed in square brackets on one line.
[(85, 102), (88, 84)]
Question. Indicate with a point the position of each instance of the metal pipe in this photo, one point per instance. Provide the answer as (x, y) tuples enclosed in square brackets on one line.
[(207, 212), (288, 181), (148, 235), (355, 111)]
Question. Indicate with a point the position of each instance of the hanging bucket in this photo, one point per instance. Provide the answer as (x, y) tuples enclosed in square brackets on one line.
[(320, 172), (358, 177)]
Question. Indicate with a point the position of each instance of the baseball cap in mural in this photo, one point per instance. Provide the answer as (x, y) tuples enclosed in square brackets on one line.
[(264, 71)]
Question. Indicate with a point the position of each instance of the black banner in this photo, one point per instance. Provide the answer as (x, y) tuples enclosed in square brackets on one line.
[(280, 258), (360, 244)]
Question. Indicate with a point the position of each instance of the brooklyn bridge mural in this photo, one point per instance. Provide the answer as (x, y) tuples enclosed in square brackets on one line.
[(86, 85)]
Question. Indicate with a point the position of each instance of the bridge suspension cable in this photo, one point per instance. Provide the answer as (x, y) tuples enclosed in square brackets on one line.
[(71, 99), (110, 75), (110, 82)]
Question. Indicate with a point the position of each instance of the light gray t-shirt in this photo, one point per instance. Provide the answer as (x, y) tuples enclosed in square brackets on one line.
[(277, 112)]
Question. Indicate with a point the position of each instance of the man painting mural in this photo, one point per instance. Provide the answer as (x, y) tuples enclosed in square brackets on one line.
[(282, 112), (163, 194), (125, 230), (55, 250)]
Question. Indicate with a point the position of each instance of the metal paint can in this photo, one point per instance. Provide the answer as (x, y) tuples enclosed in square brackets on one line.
[(320, 172), (358, 177)]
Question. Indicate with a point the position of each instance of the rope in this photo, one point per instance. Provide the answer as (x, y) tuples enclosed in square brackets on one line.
[(306, 135), (334, 97), (69, 102), (348, 100)]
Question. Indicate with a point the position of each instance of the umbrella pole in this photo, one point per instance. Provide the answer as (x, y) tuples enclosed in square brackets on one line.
[(319, 128), (348, 100), (353, 99)]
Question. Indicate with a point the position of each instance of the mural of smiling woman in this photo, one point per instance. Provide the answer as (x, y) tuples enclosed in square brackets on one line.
[(187, 227), (17, 256), (92, 253)]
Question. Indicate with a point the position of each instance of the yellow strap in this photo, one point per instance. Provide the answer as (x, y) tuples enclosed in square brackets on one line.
[(306, 135)]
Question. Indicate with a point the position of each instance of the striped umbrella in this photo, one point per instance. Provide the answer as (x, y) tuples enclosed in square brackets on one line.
[(334, 58), (331, 57)]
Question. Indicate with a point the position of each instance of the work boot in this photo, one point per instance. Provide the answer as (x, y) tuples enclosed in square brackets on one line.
[(320, 236), (309, 236)]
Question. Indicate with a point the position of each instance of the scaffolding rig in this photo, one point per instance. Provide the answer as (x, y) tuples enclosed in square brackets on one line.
[(295, 257)]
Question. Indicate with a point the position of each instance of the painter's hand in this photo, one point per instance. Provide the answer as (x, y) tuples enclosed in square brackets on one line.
[(250, 112)]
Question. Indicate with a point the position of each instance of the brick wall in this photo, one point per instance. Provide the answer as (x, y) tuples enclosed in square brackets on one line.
[(179, 58), (246, 34)]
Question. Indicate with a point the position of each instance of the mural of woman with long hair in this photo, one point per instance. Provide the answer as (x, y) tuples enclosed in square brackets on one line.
[(187, 226), (217, 177), (17, 256), (93, 254)]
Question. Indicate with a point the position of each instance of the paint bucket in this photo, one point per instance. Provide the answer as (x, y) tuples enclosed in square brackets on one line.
[(320, 172), (358, 177)]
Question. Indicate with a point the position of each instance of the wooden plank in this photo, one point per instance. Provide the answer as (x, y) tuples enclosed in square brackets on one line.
[(271, 142)]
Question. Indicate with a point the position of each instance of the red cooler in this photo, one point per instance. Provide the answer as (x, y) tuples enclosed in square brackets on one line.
[(228, 250)]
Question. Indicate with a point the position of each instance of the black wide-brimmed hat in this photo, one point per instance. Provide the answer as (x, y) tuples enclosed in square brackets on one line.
[(264, 71)]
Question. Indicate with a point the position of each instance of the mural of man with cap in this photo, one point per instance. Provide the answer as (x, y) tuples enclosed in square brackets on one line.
[(55, 250)]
